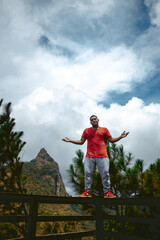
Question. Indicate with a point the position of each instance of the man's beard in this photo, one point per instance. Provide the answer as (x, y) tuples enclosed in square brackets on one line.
[(95, 125)]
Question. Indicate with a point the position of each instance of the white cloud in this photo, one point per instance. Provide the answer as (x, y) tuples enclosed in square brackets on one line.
[(93, 74), (94, 8), (143, 124), (154, 9), (30, 67)]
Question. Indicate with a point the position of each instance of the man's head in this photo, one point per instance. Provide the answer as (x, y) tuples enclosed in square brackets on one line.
[(93, 116), (94, 121)]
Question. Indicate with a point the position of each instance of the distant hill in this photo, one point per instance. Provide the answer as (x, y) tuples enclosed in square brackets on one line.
[(42, 176)]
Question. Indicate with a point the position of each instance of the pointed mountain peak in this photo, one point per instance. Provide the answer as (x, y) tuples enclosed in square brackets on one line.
[(42, 152), (43, 157), (44, 176)]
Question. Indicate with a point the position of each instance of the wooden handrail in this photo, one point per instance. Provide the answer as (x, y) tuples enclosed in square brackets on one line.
[(99, 216)]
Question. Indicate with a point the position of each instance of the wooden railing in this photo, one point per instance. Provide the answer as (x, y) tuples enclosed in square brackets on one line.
[(100, 216)]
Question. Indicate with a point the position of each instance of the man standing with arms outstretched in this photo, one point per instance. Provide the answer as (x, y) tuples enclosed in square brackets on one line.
[(96, 137)]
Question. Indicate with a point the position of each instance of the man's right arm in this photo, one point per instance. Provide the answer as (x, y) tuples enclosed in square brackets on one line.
[(78, 142)]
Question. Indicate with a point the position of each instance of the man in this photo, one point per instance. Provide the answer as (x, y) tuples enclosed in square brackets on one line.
[(96, 137)]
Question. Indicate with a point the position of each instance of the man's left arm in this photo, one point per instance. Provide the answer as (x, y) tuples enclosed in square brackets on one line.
[(113, 140)]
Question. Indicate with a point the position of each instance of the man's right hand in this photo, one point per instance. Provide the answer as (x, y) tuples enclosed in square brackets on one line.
[(66, 139), (79, 142)]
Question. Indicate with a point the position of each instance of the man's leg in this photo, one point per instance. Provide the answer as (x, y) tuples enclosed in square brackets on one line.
[(89, 165), (103, 168)]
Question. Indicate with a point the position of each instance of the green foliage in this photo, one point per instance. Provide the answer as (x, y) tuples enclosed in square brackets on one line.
[(126, 181), (152, 179), (76, 172), (56, 227), (8, 231), (10, 147)]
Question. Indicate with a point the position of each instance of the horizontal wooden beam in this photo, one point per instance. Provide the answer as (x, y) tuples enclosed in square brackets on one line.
[(11, 197), (141, 220), (13, 219), (65, 218), (121, 236), (67, 235)]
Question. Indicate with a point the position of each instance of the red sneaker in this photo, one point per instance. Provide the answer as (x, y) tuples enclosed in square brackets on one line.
[(85, 194), (109, 194)]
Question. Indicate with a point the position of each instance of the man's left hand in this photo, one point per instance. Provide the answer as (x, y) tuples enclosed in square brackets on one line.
[(124, 134)]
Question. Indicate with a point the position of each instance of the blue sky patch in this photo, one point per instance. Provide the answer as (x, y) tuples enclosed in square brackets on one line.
[(148, 91)]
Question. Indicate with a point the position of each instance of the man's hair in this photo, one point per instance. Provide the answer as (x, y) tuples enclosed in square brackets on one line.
[(92, 116)]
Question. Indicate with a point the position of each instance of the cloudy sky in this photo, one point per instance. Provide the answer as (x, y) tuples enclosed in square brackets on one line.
[(62, 61)]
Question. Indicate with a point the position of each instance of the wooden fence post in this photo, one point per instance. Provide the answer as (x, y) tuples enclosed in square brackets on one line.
[(155, 232), (32, 220), (99, 220)]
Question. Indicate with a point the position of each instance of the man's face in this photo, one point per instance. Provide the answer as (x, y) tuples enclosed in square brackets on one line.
[(94, 121)]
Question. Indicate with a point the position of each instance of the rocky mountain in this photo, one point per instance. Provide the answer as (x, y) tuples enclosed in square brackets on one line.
[(42, 176)]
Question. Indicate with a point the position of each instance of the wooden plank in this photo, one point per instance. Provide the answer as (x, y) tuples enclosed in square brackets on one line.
[(13, 219), (142, 220), (71, 235), (11, 197), (17, 239), (64, 218), (107, 201), (99, 221), (123, 236), (32, 220), (67, 235), (67, 200)]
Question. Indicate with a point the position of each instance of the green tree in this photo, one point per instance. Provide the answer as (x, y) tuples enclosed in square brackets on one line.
[(151, 181), (10, 166), (76, 172), (126, 181), (10, 147)]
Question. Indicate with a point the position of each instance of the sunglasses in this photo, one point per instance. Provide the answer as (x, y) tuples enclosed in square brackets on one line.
[(93, 119)]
